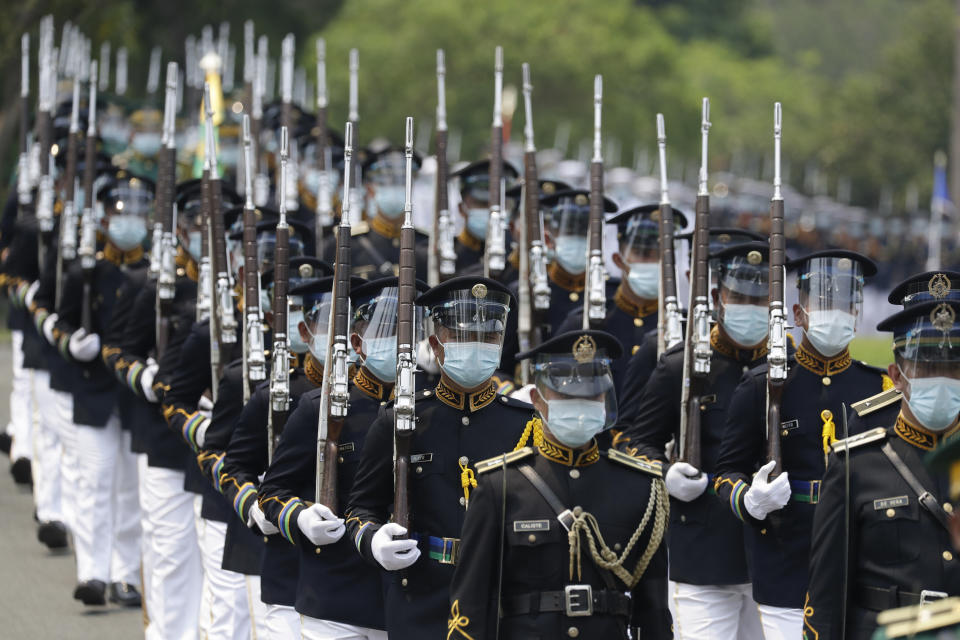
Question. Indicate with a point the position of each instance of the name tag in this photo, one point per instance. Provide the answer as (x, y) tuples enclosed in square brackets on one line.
[(790, 425), (890, 503), (418, 458), (346, 447), (521, 526)]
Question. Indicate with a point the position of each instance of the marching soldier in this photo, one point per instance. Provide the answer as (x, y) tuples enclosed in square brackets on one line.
[(879, 506), (459, 422), (545, 553), (474, 207), (710, 593), (822, 380)]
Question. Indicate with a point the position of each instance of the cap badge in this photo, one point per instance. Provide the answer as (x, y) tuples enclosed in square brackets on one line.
[(305, 270), (655, 215), (584, 349), (943, 317), (479, 290), (844, 263), (754, 257), (580, 199), (724, 238), (548, 188), (939, 286)]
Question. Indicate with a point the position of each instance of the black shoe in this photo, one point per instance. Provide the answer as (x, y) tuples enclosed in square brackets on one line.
[(21, 472), (91, 592), (123, 594), (5, 442), (53, 534)]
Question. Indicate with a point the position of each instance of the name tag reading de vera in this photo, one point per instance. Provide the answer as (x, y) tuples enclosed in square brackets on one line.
[(890, 503)]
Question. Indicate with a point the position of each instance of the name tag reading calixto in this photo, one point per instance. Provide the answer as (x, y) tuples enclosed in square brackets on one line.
[(522, 526)]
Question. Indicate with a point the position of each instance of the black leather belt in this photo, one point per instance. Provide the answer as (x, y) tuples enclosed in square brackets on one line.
[(879, 599), (574, 601)]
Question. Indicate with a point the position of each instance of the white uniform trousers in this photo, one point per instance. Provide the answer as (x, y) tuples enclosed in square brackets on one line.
[(281, 622), (714, 612), (21, 402), (175, 579), (47, 452), (70, 467), (781, 623), (225, 611), (107, 527), (314, 629)]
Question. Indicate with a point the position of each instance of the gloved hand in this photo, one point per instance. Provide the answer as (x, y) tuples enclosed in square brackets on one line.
[(84, 346), (48, 325), (31, 292), (393, 554), (146, 380), (205, 406), (256, 517), (682, 483), (200, 435), (523, 393), (320, 525), (763, 497)]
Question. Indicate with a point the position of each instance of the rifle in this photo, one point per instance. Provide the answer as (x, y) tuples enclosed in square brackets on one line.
[(442, 260), (280, 364), (23, 164), (777, 336), (120, 88), (88, 236), (153, 72), (68, 220), (284, 190), (697, 351), (595, 295), (249, 62), (335, 391), (47, 98), (261, 185), (167, 274), (404, 415), (353, 117), (104, 66), (669, 330), (254, 361), (495, 251), (324, 211)]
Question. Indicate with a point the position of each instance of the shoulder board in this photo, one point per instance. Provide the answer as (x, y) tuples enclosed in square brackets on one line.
[(498, 461), (874, 435), (516, 403), (869, 367), (883, 399), (653, 468)]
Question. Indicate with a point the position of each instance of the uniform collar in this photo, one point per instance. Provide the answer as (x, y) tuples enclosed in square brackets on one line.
[(313, 370), (560, 277), (634, 309), (117, 256), (466, 401), (722, 345), (562, 454), (469, 241), (823, 366), (384, 227), (372, 386), (918, 436)]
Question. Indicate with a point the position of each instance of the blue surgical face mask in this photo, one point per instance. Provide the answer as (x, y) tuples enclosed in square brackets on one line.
[(470, 364), (934, 401), (381, 357), (390, 200), (572, 254), (297, 345), (643, 278), (195, 246), (127, 232), (477, 222), (318, 347), (830, 331), (746, 324), (574, 421), (147, 144)]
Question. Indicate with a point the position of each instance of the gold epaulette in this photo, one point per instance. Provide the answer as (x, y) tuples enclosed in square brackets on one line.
[(883, 399), (498, 461), (653, 468), (909, 621), (874, 435)]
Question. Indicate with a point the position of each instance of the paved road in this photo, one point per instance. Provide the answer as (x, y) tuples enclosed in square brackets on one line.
[(36, 588)]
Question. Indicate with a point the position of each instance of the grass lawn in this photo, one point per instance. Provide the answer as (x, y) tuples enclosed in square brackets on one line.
[(875, 350)]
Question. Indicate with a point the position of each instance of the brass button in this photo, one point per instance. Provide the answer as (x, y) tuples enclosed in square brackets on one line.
[(317, 551), (264, 538), (419, 469), (383, 402), (683, 518), (404, 582), (784, 433), (703, 407), (531, 538), (891, 513), (574, 296), (617, 547), (464, 460), (746, 368), (636, 348), (573, 632), (465, 420), (339, 458), (637, 322), (826, 381), (763, 532), (396, 242), (574, 474), (463, 501), (948, 507), (947, 556)]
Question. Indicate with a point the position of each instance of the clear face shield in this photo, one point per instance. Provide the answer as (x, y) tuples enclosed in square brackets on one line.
[(475, 204), (567, 225), (928, 355), (128, 207), (639, 246), (375, 322), (470, 327), (578, 392), (385, 180), (743, 298), (831, 296)]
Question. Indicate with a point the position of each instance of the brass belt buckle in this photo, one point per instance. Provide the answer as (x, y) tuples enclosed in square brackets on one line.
[(578, 600), (451, 549), (814, 491)]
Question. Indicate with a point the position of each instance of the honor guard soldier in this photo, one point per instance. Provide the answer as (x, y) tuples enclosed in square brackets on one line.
[(710, 593), (514, 196), (633, 314), (881, 410), (474, 207), (461, 421), (339, 594), (822, 380), (107, 527), (544, 552), (882, 531)]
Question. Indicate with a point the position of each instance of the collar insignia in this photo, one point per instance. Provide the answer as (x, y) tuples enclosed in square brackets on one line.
[(566, 456), (823, 367)]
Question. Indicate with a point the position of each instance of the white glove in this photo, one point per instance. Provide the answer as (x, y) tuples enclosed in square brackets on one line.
[(393, 554), (83, 346), (146, 380), (523, 393), (31, 292), (256, 517), (320, 525), (682, 482), (763, 497), (200, 435), (48, 325), (205, 406)]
